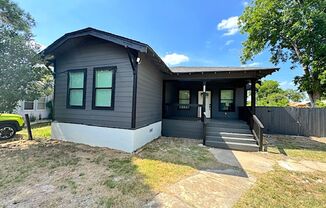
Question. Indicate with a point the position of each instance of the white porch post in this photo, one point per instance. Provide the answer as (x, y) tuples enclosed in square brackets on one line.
[(204, 100)]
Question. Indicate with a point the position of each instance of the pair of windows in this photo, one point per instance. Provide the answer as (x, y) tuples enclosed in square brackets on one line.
[(41, 104), (103, 83), (226, 102)]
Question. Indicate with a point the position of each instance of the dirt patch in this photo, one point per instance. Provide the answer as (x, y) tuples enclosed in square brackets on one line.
[(50, 173)]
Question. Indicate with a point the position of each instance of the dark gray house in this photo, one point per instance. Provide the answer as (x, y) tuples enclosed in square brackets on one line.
[(116, 92)]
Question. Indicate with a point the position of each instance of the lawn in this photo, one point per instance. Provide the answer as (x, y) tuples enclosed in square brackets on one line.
[(284, 188), (49, 173)]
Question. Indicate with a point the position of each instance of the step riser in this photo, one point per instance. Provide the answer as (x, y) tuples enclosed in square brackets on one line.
[(230, 130), (223, 134), (233, 146), (219, 139), (228, 126)]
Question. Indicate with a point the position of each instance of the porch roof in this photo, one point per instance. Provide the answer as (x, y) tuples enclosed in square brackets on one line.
[(257, 72)]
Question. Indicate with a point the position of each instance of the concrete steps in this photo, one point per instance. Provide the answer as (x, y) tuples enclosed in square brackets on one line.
[(230, 134)]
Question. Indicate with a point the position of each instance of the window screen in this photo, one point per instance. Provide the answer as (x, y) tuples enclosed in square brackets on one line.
[(28, 105), (76, 88), (41, 103), (184, 99), (227, 101), (103, 87)]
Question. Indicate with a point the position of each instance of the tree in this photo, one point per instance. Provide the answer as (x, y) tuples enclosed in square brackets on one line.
[(293, 30), (23, 75), (270, 94), (294, 95)]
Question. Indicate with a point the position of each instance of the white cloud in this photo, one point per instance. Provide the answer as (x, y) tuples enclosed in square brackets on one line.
[(230, 25), (229, 42), (287, 85), (251, 64), (175, 59), (245, 3)]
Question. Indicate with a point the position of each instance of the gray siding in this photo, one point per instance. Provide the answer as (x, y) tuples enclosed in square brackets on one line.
[(182, 128), (90, 53), (149, 93)]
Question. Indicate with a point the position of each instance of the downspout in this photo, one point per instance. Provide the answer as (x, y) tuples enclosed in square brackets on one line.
[(134, 89)]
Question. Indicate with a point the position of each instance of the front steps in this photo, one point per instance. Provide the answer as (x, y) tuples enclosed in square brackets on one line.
[(230, 134)]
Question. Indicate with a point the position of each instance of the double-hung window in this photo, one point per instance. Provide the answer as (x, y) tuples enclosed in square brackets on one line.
[(184, 99), (227, 100), (103, 92), (76, 88)]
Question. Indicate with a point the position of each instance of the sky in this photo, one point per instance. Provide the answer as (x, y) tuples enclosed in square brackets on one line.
[(182, 32)]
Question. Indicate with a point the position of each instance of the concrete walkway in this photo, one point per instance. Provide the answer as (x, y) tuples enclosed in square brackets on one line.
[(215, 188), (223, 187)]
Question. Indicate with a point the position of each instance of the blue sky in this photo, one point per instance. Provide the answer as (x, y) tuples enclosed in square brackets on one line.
[(182, 32)]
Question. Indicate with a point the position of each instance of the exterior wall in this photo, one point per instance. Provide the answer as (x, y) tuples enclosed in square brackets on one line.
[(182, 128), (36, 112), (121, 139), (171, 96), (90, 53), (149, 93)]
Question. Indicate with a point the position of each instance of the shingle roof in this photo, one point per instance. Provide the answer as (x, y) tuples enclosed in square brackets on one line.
[(183, 69)]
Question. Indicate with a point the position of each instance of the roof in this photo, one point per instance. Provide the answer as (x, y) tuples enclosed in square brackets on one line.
[(183, 69), (144, 48), (123, 41)]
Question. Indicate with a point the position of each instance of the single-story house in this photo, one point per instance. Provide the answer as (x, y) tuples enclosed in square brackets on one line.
[(36, 109), (116, 92)]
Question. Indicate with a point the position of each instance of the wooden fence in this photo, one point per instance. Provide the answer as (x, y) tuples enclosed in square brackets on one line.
[(293, 121)]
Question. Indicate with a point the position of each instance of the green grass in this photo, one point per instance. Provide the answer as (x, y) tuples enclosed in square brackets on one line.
[(181, 152), (39, 131), (299, 148), (282, 188)]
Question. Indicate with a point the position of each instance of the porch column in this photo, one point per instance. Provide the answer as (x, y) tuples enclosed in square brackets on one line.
[(204, 101), (253, 96)]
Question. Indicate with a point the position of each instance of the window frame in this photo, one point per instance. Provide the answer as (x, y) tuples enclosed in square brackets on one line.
[(24, 107), (108, 68), (219, 100), (186, 108), (38, 103), (69, 89)]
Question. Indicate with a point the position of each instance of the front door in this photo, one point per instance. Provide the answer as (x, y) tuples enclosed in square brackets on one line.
[(208, 103)]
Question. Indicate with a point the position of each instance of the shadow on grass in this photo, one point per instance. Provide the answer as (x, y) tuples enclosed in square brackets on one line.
[(190, 153)]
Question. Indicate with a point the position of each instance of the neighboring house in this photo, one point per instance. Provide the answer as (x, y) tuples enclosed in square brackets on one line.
[(36, 109), (116, 92)]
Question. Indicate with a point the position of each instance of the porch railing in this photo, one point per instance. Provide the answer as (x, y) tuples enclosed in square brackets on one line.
[(255, 125), (185, 111)]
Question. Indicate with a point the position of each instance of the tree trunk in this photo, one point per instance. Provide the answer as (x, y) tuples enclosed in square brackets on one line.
[(313, 97)]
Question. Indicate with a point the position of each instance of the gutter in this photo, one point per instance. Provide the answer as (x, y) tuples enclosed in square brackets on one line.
[(134, 88)]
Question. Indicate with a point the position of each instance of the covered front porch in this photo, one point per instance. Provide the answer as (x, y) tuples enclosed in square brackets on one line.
[(210, 104), (205, 99)]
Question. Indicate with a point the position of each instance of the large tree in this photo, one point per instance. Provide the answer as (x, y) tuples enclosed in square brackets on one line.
[(293, 30), (22, 74), (271, 94)]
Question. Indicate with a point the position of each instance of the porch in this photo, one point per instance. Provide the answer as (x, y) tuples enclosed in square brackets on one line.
[(210, 111)]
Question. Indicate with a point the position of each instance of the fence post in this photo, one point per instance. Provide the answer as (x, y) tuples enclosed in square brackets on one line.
[(28, 125)]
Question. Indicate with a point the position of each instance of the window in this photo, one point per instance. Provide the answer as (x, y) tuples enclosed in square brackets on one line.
[(103, 88), (28, 105), (227, 101), (41, 103), (184, 99), (76, 88)]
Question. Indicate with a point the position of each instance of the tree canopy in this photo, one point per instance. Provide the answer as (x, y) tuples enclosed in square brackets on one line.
[(23, 76), (271, 94), (293, 30)]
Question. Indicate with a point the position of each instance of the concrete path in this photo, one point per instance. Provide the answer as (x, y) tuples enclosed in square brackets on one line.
[(215, 188), (223, 187)]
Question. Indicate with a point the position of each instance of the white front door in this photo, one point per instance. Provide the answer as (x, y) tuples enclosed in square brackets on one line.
[(208, 103)]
